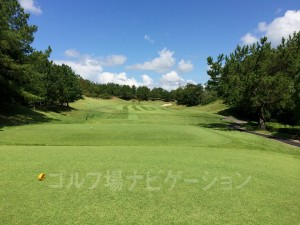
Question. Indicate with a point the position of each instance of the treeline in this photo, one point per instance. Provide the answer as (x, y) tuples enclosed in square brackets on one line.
[(189, 95), (260, 81), (27, 76)]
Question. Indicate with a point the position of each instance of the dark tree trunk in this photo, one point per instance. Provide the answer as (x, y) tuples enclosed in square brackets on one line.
[(262, 124), (262, 120)]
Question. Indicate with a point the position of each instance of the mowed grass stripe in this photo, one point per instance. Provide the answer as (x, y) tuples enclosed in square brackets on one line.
[(135, 108), (117, 116), (125, 108), (145, 108)]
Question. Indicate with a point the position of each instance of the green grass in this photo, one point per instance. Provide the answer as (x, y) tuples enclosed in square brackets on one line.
[(180, 159)]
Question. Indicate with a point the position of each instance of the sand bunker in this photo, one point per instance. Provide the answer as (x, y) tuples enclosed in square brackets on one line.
[(165, 105)]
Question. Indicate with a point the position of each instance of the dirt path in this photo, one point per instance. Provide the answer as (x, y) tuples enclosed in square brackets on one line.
[(238, 125)]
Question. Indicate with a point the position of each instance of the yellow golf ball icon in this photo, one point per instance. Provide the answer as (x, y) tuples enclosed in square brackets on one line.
[(42, 176)]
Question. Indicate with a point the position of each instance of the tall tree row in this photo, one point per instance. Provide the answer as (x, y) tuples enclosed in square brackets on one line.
[(189, 95), (27, 76), (260, 81)]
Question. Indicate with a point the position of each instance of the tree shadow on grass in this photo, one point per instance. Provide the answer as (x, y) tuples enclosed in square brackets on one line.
[(228, 126), (55, 108), (11, 115), (234, 113), (232, 126), (288, 133)]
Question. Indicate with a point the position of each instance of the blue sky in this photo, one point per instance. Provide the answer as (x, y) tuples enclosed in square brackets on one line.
[(154, 42)]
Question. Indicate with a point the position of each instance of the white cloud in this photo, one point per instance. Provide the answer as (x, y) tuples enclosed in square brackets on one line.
[(86, 67), (30, 6), (117, 78), (146, 80), (72, 53), (282, 26), (91, 68), (106, 77), (278, 28), (149, 39), (171, 81), (161, 64), (172, 76), (122, 79), (262, 26), (110, 60), (185, 66), (249, 39), (113, 60)]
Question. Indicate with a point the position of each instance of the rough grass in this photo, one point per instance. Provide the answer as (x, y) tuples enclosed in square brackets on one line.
[(125, 163)]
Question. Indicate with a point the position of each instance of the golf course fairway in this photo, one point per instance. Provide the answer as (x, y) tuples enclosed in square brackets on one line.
[(124, 162)]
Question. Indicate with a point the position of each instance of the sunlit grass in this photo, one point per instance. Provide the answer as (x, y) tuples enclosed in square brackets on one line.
[(156, 165)]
